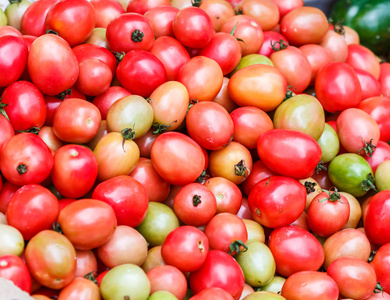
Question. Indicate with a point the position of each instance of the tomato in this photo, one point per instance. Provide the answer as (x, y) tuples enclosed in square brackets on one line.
[(153, 259), (129, 31), (360, 57), (370, 86), (168, 278), (14, 269), (132, 112), (76, 121), (6, 133), (261, 86), (33, 19), (223, 97), (142, 6), (141, 72), (178, 159), (329, 142), (350, 173), (104, 101), (317, 56), (125, 281), (218, 270), (218, 10), (98, 37), (47, 135), (310, 284), (259, 172), (303, 113), (373, 226), (51, 259), (185, 248), (234, 162), (249, 123), (87, 223), (304, 25), (203, 78), (382, 176), (378, 108), (161, 18), (25, 159), (356, 278), (213, 293), (384, 79), (346, 90), (355, 213), (126, 196), (13, 53), (52, 72), (270, 44), (106, 11), (171, 53), (285, 6), (380, 263), (85, 262), (145, 142), (159, 221), (80, 289), (295, 249), (193, 27), (227, 194), (74, 171), (115, 253), (6, 193), (12, 242), (252, 59), (336, 45), (271, 203), (248, 30)]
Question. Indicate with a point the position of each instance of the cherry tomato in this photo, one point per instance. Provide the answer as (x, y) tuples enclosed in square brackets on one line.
[(360, 57), (161, 18), (168, 278), (106, 11), (13, 268), (336, 45), (218, 10), (6, 133), (285, 6), (80, 289)]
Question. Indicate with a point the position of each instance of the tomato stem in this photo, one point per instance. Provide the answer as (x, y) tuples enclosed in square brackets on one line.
[(310, 187), (161, 128), (119, 56), (320, 167), (339, 28), (127, 134), (333, 196), (196, 200), (91, 276), (2, 111), (201, 176), (196, 3), (63, 94), (282, 44), (368, 148), (34, 130), (289, 93), (57, 227), (192, 103), (50, 31), (234, 248), (240, 169), (378, 288), (137, 36), (21, 168), (14, 1), (368, 183), (372, 255)]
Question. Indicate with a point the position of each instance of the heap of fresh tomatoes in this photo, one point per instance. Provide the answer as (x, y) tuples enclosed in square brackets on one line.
[(213, 149)]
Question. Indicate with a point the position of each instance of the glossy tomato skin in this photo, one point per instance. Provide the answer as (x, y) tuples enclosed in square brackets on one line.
[(374, 227), (26, 159), (106, 11), (346, 91), (177, 158), (259, 172), (380, 154), (380, 263), (7, 131), (141, 72), (51, 259), (13, 53), (13, 268), (87, 223), (52, 72), (277, 148), (74, 171), (277, 201), (308, 284), (370, 86), (213, 293), (80, 289), (104, 101), (219, 270), (317, 56), (142, 6), (295, 250), (270, 37), (360, 57), (126, 196), (161, 18)]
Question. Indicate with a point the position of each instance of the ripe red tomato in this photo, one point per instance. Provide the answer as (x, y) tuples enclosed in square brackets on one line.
[(185, 248), (85, 262), (270, 44), (6, 193), (384, 79), (161, 18), (80, 289), (317, 56), (380, 263), (13, 268), (6, 133), (285, 6), (142, 6), (26, 159), (259, 172), (265, 12), (360, 57), (277, 201), (370, 86), (218, 10), (106, 11)]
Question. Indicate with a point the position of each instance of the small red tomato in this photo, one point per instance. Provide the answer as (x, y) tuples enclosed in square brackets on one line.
[(13, 268)]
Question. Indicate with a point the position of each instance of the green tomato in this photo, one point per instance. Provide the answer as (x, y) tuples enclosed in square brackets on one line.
[(257, 263), (382, 176), (262, 295), (303, 113), (162, 295), (11, 241), (3, 18), (126, 281), (15, 11), (329, 143), (159, 221), (350, 173), (253, 59), (275, 285)]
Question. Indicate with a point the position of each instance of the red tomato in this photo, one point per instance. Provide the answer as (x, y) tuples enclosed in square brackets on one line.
[(374, 227), (379, 109), (9, 30), (384, 79), (178, 159), (6, 193), (218, 10), (80, 289), (13, 53), (370, 86), (328, 213), (270, 44), (126, 196), (161, 18), (104, 101), (381, 153), (360, 57), (195, 204), (73, 20), (74, 171), (317, 56), (87, 223), (26, 159), (193, 27), (298, 147), (13, 268), (129, 31), (106, 11), (32, 209), (285, 6), (295, 249), (381, 265), (277, 201), (219, 270), (52, 71), (310, 285), (85, 262), (259, 172), (47, 135), (7, 131), (141, 72), (185, 248), (356, 278)]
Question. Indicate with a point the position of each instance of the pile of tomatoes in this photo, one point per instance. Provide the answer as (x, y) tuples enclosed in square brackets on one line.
[(169, 149)]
